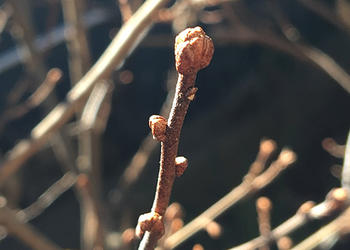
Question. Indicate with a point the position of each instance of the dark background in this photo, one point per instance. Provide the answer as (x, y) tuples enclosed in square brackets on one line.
[(248, 92)]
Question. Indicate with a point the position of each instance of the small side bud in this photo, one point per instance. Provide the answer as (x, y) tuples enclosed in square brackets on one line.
[(181, 164), (191, 93), (150, 222), (193, 50), (158, 125), (306, 207)]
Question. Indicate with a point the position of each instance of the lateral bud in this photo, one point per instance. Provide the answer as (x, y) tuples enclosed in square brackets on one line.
[(158, 125), (181, 164), (150, 222)]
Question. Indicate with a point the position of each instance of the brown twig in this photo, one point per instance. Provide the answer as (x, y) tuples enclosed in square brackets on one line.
[(285, 158), (335, 201), (193, 51)]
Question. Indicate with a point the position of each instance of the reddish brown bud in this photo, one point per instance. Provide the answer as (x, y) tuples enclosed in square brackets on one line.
[(150, 222), (193, 50), (158, 126), (181, 164)]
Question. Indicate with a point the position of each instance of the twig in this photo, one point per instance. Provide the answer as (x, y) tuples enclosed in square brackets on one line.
[(315, 55), (47, 198), (328, 234), (327, 64), (91, 228), (193, 51), (39, 95), (333, 148), (335, 201), (22, 230), (54, 37), (127, 38), (345, 179), (92, 123), (75, 34), (285, 158), (263, 208), (147, 146), (323, 11)]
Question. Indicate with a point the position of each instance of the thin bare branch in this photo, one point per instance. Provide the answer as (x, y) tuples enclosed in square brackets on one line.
[(345, 179), (325, 12), (92, 123), (91, 228), (47, 198)]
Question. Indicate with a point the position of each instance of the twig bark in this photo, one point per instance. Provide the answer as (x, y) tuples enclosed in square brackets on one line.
[(127, 38), (193, 51)]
